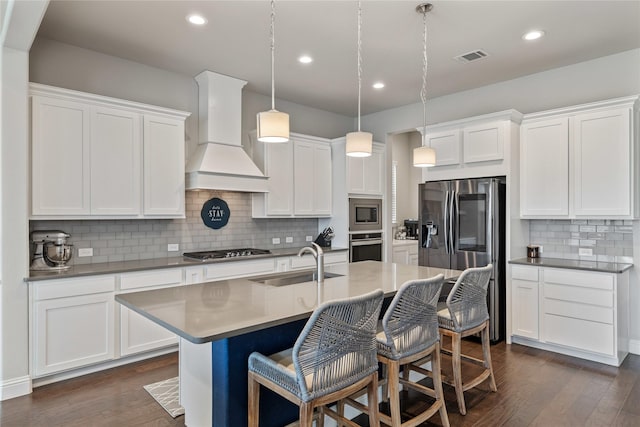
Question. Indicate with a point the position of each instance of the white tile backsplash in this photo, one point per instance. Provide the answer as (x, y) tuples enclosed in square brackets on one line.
[(124, 240), (610, 240)]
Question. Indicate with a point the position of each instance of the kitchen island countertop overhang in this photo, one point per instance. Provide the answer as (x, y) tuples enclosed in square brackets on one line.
[(216, 310)]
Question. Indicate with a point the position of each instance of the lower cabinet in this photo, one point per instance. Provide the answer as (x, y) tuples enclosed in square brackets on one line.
[(137, 333), (575, 312), (405, 252), (72, 323)]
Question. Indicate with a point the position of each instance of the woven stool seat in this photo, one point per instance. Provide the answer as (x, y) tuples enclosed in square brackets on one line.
[(334, 356)]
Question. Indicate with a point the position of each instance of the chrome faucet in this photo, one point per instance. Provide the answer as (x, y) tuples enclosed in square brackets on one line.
[(318, 254)]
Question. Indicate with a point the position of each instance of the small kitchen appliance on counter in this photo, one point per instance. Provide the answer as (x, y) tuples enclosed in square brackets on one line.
[(533, 251), (411, 227), (50, 250)]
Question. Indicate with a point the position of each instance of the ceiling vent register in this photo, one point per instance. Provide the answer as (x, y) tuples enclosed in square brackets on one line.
[(472, 56)]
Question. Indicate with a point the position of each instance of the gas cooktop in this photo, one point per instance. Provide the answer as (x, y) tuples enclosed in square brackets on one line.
[(225, 253)]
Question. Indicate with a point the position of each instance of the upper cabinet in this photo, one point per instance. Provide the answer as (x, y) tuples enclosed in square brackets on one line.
[(472, 147), (98, 157), (365, 175), (300, 177), (580, 162)]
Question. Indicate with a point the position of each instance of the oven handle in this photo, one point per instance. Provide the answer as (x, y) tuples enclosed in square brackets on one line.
[(366, 242)]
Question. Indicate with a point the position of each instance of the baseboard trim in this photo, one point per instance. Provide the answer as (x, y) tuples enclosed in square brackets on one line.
[(634, 347), (15, 387)]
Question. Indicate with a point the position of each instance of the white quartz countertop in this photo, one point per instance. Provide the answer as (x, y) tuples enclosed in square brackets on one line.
[(405, 242), (210, 311)]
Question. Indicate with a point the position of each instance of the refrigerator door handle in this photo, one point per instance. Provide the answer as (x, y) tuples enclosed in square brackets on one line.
[(454, 199), (446, 222)]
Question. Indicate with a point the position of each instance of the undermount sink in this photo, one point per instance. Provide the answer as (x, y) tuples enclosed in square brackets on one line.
[(291, 278)]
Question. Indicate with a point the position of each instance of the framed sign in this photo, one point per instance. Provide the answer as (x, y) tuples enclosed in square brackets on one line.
[(215, 213)]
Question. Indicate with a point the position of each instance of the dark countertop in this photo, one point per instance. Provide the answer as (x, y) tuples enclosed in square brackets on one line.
[(605, 267), (151, 264)]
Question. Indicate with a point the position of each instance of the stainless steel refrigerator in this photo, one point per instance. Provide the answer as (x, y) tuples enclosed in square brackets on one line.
[(462, 225)]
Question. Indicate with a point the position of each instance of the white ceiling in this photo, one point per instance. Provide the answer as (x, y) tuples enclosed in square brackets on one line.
[(236, 42)]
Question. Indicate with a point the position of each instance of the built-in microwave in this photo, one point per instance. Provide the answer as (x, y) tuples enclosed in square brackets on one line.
[(365, 214)]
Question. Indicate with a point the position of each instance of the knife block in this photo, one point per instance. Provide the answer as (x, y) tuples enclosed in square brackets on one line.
[(322, 242)]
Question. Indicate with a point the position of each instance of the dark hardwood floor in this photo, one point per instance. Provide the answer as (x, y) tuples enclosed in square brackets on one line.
[(535, 388)]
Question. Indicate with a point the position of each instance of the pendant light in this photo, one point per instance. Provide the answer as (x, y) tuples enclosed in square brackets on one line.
[(273, 125), (359, 143), (424, 157)]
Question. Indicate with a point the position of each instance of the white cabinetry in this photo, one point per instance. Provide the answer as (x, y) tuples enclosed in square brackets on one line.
[(299, 174), (580, 162), (524, 302), (365, 175), (472, 147), (579, 313), (138, 333), (163, 179), (72, 323), (99, 157), (405, 252), (544, 167), (307, 261)]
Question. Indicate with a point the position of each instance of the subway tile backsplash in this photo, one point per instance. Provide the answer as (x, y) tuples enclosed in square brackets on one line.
[(125, 240), (609, 240)]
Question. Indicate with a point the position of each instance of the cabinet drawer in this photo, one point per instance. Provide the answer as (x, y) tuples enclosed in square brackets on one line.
[(578, 294), (579, 311), (524, 273), (231, 269), (71, 288), (579, 278), (307, 261), (144, 279), (580, 334)]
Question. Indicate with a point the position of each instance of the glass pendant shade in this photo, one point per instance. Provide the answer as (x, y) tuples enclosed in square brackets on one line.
[(359, 144), (273, 126), (424, 157)]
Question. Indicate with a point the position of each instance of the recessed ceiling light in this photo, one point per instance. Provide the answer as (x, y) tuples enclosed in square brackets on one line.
[(378, 85), (533, 35), (305, 59), (196, 19)]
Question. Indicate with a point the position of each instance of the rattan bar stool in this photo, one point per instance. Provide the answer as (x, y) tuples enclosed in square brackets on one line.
[(334, 357), (465, 314), (409, 333)]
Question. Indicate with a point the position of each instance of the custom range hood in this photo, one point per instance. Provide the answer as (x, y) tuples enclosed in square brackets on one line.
[(220, 162)]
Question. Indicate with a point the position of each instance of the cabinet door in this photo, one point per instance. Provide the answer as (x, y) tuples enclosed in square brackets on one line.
[(279, 169), (137, 333), (401, 255), (163, 167), (446, 145), (60, 157), (525, 302), (602, 163), (73, 332), (322, 188), (304, 177), (483, 142), (115, 162), (355, 175), (544, 168), (374, 173)]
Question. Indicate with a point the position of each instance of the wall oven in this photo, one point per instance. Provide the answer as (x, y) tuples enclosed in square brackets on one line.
[(365, 246), (365, 214)]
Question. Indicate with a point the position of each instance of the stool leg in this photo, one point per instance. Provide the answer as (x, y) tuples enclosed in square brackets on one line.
[(394, 392), (437, 385), (339, 410), (253, 401), (457, 372), (385, 383), (372, 401), (320, 420), (306, 414), (486, 351)]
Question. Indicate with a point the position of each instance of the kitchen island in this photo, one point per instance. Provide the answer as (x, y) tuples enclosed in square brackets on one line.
[(220, 323)]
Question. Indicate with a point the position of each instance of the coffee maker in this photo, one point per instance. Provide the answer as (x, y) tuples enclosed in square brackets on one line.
[(50, 250), (411, 226)]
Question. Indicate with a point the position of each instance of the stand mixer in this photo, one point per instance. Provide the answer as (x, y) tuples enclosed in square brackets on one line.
[(50, 250)]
